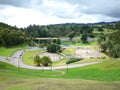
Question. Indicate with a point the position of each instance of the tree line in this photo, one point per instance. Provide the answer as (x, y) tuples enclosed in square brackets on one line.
[(10, 36), (110, 43), (58, 30)]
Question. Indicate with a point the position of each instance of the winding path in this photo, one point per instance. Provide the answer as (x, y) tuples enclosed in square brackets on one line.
[(16, 60)]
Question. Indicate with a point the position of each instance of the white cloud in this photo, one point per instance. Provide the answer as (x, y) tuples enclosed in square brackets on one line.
[(45, 12), (58, 8)]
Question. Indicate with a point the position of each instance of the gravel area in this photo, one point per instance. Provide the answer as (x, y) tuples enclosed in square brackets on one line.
[(86, 52)]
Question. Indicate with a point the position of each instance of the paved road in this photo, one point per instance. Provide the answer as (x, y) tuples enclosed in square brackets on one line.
[(16, 60)]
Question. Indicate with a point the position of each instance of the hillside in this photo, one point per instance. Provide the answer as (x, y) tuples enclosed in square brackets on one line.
[(32, 79)]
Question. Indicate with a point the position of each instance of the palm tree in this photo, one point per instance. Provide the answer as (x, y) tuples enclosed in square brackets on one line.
[(46, 61), (37, 60)]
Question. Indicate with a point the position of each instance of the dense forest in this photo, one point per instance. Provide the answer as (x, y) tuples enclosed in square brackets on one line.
[(58, 30), (109, 43), (10, 36)]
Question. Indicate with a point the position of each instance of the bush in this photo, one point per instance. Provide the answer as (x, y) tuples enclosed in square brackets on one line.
[(53, 48), (103, 57), (72, 60)]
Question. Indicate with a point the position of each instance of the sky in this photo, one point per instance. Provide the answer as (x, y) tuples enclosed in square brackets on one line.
[(22, 13)]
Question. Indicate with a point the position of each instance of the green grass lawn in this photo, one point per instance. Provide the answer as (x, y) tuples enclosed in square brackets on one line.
[(96, 33), (28, 56), (57, 84), (105, 71), (69, 51), (11, 79), (103, 76), (78, 43), (60, 63), (7, 52)]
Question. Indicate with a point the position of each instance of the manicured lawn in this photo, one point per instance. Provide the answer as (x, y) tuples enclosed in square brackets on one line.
[(78, 43), (105, 71), (60, 63), (57, 84), (69, 51), (103, 76), (28, 56), (7, 52)]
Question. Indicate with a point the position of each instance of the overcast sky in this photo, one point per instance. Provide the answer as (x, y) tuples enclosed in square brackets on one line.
[(43, 12)]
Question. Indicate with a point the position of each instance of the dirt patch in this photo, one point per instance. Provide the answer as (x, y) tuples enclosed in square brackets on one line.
[(54, 57), (86, 52)]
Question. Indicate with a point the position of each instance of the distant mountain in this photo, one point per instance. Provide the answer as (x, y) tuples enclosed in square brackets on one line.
[(97, 23), (102, 23)]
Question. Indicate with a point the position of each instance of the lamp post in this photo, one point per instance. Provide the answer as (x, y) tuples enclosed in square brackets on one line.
[(18, 64), (51, 66), (42, 68), (67, 66)]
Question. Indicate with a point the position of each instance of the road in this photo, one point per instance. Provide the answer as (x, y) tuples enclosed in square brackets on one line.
[(16, 60)]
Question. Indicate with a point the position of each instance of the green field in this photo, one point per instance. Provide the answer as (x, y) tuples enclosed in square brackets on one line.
[(105, 71), (28, 56), (60, 63), (7, 52), (103, 76), (70, 51), (78, 43), (57, 84)]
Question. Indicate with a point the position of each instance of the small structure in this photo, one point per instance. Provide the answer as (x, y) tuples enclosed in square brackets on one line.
[(48, 40)]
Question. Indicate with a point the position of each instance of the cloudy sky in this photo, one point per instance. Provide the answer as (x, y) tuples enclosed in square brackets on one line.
[(43, 12)]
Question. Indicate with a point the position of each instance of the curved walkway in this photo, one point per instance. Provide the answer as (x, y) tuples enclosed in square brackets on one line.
[(16, 60)]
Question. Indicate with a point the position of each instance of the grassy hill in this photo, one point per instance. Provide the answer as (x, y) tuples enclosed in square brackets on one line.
[(106, 76), (105, 71), (7, 52)]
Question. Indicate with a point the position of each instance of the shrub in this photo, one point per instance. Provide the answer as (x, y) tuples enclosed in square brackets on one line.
[(53, 48), (72, 60), (37, 60), (46, 61)]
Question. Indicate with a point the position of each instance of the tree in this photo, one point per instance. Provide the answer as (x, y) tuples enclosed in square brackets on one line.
[(101, 38), (104, 46), (84, 37), (37, 60), (71, 35), (53, 48), (100, 29), (54, 41), (58, 41), (117, 26), (46, 61), (113, 51), (110, 43)]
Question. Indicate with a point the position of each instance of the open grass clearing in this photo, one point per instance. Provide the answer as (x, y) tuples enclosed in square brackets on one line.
[(69, 51), (28, 58), (57, 84), (103, 76), (60, 63), (105, 71), (78, 43), (29, 55), (7, 52)]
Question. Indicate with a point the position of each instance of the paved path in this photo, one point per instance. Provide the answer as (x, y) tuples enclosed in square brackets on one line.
[(16, 60)]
